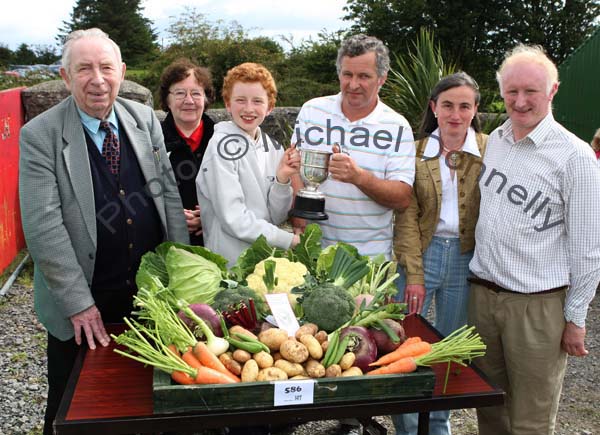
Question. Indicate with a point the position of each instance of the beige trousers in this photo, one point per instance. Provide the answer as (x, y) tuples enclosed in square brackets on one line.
[(523, 357)]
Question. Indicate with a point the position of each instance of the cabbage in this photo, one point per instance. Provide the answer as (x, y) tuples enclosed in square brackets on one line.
[(192, 277)]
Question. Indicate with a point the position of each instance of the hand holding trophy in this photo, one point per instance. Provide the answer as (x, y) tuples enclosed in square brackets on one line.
[(314, 169)]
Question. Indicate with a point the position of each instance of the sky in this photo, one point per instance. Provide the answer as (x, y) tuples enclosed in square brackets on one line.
[(36, 22)]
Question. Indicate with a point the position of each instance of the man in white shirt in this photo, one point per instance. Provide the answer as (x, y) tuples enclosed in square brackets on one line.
[(374, 172), (537, 249)]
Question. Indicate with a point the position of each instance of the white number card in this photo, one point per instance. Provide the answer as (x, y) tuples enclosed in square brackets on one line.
[(282, 311), (300, 392)]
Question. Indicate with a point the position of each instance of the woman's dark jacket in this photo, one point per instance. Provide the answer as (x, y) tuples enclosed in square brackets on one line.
[(186, 163)]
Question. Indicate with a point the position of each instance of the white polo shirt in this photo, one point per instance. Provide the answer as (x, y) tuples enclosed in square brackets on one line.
[(382, 143)]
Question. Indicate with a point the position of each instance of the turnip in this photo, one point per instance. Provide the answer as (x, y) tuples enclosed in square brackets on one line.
[(362, 345), (385, 341), (206, 313)]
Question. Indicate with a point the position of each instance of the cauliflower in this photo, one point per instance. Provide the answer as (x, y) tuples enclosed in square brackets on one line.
[(287, 273)]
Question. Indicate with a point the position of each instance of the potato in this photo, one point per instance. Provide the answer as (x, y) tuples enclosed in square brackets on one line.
[(291, 369), (324, 345), (308, 328), (277, 356), (273, 338), (241, 355), (293, 351), (271, 374), (321, 336), (352, 371), (314, 347), (250, 371), (237, 329), (333, 371), (300, 377), (347, 360), (314, 369), (263, 359), (230, 364)]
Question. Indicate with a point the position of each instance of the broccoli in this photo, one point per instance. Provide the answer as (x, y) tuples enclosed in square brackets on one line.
[(328, 306), (233, 295)]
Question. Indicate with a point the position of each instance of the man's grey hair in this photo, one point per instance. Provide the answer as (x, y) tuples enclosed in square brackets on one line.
[(360, 44), (89, 34), (530, 53)]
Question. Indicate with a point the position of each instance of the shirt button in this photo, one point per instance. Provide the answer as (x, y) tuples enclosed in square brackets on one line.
[(463, 206), (130, 246), (128, 282), (462, 194), (129, 221), (122, 192)]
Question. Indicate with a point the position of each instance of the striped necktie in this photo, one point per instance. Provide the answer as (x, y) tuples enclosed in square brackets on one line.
[(111, 150)]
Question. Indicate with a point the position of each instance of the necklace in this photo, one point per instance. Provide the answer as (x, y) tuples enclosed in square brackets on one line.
[(453, 156)]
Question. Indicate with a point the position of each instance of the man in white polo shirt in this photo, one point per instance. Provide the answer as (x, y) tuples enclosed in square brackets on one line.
[(372, 168)]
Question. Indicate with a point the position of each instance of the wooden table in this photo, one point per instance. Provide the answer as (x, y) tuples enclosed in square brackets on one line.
[(110, 394)]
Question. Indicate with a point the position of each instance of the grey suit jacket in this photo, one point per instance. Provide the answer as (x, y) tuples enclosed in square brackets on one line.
[(57, 203)]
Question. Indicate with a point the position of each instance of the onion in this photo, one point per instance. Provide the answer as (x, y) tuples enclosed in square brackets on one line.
[(363, 297), (362, 345), (206, 313), (383, 340)]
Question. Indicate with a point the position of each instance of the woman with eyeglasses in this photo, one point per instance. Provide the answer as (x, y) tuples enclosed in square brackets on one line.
[(186, 90)]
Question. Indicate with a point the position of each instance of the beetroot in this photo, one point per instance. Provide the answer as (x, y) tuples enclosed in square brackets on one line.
[(206, 313), (362, 345), (385, 344)]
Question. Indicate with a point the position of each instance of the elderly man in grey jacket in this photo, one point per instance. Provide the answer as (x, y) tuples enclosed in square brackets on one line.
[(97, 192)]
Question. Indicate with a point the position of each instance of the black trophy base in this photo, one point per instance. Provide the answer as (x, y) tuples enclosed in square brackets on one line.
[(309, 208)]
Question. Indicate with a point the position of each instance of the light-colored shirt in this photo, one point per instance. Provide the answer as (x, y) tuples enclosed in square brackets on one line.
[(92, 126), (238, 201), (381, 143), (537, 227), (448, 225)]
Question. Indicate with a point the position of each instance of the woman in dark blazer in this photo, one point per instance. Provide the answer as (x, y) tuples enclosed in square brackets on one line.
[(186, 90)]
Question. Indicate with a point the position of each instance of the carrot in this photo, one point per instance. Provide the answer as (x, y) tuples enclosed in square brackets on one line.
[(403, 365), (209, 359), (174, 350), (182, 378), (410, 340), (190, 359), (206, 375), (415, 349)]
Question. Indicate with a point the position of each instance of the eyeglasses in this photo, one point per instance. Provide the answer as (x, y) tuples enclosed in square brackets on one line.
[(180, 94)]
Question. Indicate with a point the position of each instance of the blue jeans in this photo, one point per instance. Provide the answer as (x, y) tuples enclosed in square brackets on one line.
[(446, 271)]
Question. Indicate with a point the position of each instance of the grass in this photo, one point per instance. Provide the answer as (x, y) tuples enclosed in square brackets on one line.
[(18, 357), (13, 265)]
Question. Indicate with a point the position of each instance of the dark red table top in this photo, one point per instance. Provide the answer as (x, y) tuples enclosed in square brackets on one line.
[(110, 387)]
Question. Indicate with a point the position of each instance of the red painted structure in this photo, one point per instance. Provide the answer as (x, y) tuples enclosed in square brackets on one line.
[(12, 117)]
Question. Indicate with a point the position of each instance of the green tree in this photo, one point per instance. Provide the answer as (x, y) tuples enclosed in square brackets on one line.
[(122, 20), (218, 46), (46, 54), (475, 34), (6, 55), (24, 55)]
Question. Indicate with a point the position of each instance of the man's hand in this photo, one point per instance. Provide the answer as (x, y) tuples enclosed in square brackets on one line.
[(90, 321), (573, 340), (414, 296), (343, 168)]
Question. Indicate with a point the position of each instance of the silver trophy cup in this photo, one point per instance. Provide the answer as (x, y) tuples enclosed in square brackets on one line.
[(314, 169)]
